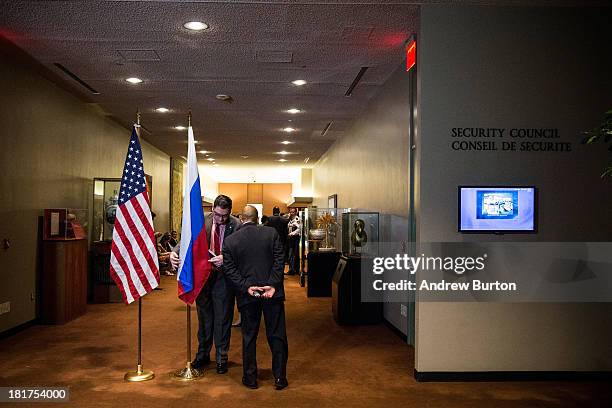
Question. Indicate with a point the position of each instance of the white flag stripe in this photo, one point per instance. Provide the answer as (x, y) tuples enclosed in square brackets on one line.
[(191, 178), (142, 231), (140, 256), (119, 272), (126, 257)]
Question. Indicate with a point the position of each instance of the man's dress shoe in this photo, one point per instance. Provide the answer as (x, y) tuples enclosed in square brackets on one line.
[(222, 368), (280, 383), (249, 384), (200, 363)]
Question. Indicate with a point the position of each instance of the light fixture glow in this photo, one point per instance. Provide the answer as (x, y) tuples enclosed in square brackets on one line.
[(288, 129), (245, 156), (195, 25), (210, 159), (282, 160), (162, 110), (299, 82), (283, 153), (204, 152), (286, 142), (180, 127), (215, 165), (133, 80), (293, 111)]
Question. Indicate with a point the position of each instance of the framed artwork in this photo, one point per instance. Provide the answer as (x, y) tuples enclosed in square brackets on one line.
[(332, 201)]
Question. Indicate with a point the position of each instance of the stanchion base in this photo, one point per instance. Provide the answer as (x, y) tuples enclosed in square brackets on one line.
[(139, 375), (188, 373)]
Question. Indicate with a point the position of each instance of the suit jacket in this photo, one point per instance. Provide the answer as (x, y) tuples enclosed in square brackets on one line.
[(232, 225), (254, 256), (280, 224)]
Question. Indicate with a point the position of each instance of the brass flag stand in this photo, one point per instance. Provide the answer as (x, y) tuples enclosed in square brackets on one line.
[(188, 373), (140, 374)]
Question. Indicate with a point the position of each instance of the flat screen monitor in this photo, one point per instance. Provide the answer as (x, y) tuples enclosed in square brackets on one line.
[(498, 210)]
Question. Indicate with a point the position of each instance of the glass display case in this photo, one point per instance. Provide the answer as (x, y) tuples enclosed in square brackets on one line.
[(64, 224), (105, 201), (360, 233), (323, 229)]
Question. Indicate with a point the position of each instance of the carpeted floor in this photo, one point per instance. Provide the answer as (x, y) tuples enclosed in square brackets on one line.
[(329, 365)]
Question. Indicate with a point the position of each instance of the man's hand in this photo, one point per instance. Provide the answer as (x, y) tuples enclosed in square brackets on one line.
[(216, 260), (253, 289), (268, 292), (175, 260)]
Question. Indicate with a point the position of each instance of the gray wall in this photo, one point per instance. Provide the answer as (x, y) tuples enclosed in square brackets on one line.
[(53, 145), (368, 167), (514, 67)]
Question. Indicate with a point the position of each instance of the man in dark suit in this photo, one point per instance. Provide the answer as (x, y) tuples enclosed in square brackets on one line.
[(253, 261), (215, 303), (280, 224)]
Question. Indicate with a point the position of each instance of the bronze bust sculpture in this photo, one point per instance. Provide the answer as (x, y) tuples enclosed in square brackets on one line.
[(359, 237)]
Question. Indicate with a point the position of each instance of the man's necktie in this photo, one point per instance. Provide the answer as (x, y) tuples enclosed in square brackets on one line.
[(217, 242)]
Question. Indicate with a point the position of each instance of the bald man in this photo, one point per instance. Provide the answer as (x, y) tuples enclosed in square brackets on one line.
[(253, 260)]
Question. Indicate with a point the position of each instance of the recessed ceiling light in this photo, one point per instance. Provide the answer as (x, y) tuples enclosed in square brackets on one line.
[(286, 142), (299, 82), (210, 159), (224, 98), (289, 129), (204, 152), (245, 156), (293, 111), (180, 127), (162, 110), (133, 80), (195, 26), (283, 153), (282, 160)]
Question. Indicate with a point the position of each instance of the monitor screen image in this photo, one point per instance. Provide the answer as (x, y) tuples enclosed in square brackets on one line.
[(497, 209)]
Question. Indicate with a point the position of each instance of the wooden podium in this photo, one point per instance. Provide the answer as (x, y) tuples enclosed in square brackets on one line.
[(63, 284)]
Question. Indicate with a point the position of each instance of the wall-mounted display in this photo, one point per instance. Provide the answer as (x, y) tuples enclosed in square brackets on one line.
[(360, 233), (105, 202), (497, 209), (64, 224)]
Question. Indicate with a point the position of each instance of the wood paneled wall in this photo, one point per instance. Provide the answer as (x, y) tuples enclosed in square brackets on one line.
[(270, 195)]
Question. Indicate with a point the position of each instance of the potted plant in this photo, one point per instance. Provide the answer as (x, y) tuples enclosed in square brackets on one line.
[(602, 134)]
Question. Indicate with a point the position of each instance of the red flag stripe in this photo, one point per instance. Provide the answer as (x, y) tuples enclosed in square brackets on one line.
[(145, 224), (119, 265), (147, 220), (127, 266), (138, 264), (135, 228)]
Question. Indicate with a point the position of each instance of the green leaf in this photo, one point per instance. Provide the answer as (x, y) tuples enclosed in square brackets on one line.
[(607, 172)]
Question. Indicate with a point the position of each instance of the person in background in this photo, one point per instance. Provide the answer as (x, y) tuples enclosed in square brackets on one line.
[(253, 263), (293, 242), (279, 223), (163, 256), (173, 239)]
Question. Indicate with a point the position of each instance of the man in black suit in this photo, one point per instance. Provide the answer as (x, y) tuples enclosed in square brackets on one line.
[(253, 261), (280, 224), (215, 303)]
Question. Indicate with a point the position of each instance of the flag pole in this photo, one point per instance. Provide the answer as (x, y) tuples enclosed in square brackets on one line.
[(188, 373), (140, 374)]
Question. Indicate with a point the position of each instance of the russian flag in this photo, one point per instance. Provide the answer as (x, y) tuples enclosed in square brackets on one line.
[(195, 268)]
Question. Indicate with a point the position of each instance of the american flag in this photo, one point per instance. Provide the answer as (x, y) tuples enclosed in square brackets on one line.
[(134, 266)]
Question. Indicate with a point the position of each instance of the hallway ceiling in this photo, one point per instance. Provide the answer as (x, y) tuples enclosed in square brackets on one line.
[(251, 51)]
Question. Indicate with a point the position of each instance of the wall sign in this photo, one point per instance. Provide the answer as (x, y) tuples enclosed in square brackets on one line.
[(508, 139)]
